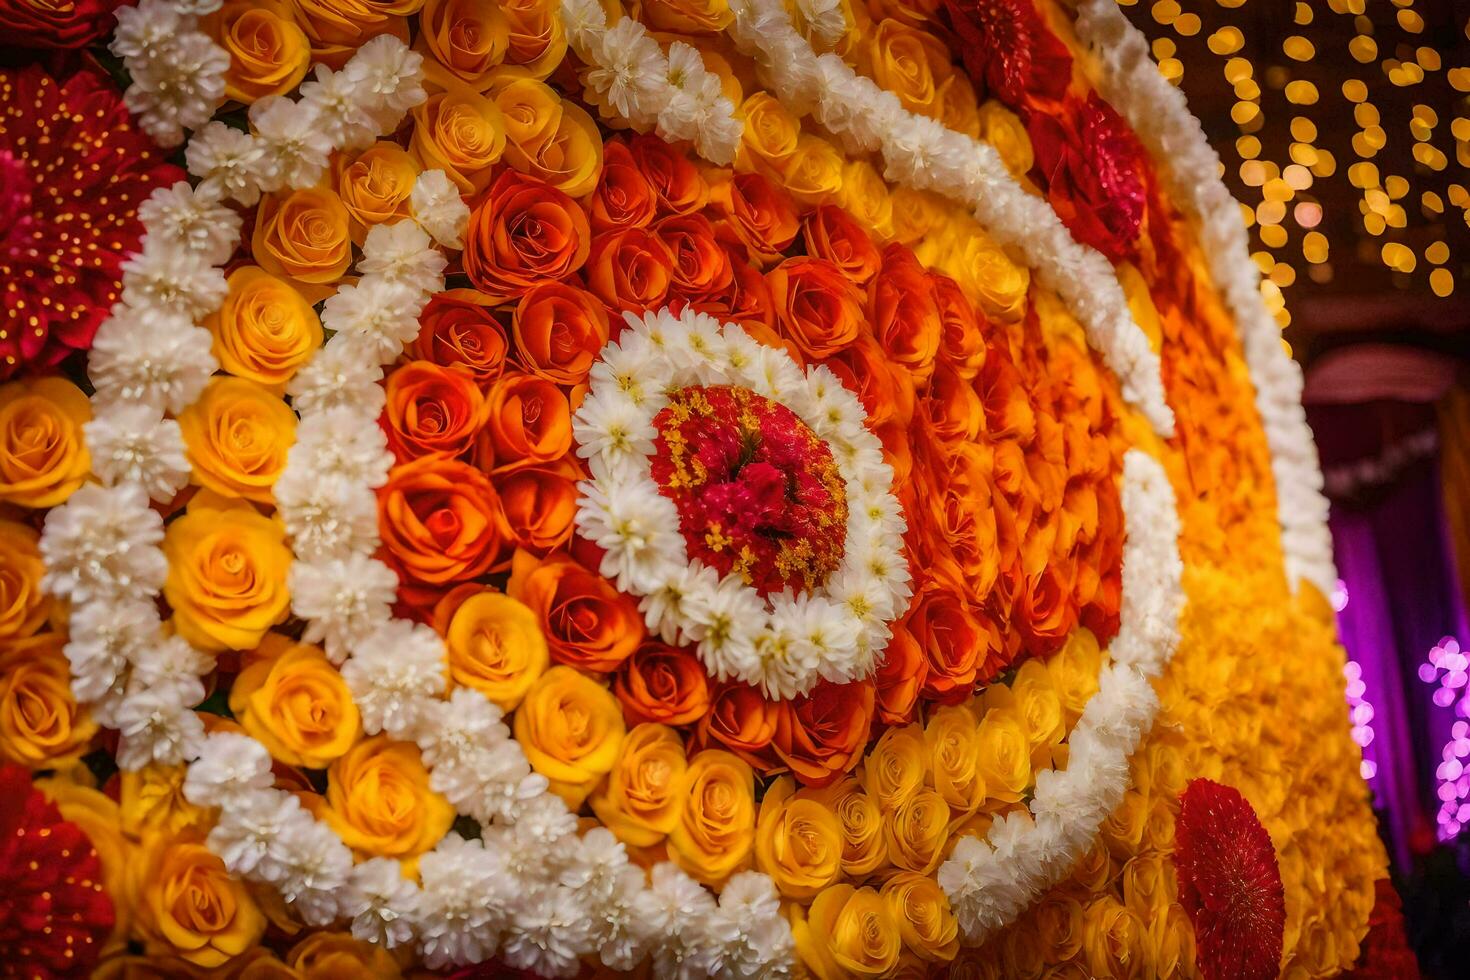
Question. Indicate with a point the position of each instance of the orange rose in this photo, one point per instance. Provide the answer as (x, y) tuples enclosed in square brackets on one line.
[(457, 330), (814, 172), (761, 214), (961, 341), (538, 503), (716, 829), (461, 133), (24, 605), (884, 389), (640, 801), (588, 623), (548, 137), (305, 237), (831, 233), (43, 456), (375, 185), (432, 410), (337, 28), (265, 330), (236, 436), (701, 266), (747, 298), (538, 40), (41, 725), (952, 641), (330, 955), (663, 684), (291, 699), (380, 803), (743, 721), (630, 269), (816, 305), (523, 232), (189, 905), (864, 196), (468, 39), (680, 187), (530, 421), (571, 731), (905, 312), (900, 677), (624, 198), (559, 331), (440, 521), (821, 735), (495, 646), (269, 54), (689, 16)]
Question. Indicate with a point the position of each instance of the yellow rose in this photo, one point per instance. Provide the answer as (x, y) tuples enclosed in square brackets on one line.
[(917, 831), (43, 457), (189, 906), (1123, 829), (689, 16), (641, 799), (1148, 886), (915, 213), (99, 818), (1074, 671), (1003, 129), (337, 28), (236, 436), (226, 573), (997, 284), (269, 53), (716, 829), (925, 922), (41, 725), (305, 237), (1057, 921), (769, 139), (864, 849), (905, 62), (292, 700), (1114, 941), (953, 740), (814, 172), (1095, 869), (461, 133), (538, 39), (496, 646), (265, 330), (379, 800), (894, 770), (1173, 942), (571, 729), (958, 105), (23, 604), (548, 137), (848, 932), (1038, 705), (466, 38), (375, 186), (1005, 755), (798, 841), (152, 799), (333, 955), (865, 196)]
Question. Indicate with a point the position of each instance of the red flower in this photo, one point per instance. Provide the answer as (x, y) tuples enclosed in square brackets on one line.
[(56, 23), (1385, 953), (1006, 45), (54, 915), (1229, 883), (72, 173)]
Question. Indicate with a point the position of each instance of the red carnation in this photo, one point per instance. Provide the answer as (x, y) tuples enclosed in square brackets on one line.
[(72, 173), (54, 915), (1229, 884), (1007, 47), (56, 23)]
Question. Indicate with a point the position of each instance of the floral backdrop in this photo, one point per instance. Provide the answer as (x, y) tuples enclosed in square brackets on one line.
[(700, 487)]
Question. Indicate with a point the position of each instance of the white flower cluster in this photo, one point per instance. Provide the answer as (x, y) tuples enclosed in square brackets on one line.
[(630, 76), (783, 644), (1157, 111), (991, 881), (177, 71), (921, 153)]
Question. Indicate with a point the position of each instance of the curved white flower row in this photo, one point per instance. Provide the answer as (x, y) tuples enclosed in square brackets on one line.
[(923, 154), (991, 881), (629, 74), (1157, 111), (784, 643)]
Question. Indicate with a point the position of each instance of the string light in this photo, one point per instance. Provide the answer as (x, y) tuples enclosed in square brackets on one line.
[(1448, 668), (1360, 711)]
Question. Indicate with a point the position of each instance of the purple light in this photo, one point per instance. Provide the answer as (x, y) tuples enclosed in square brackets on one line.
[(1448, 668), (1360, 712)]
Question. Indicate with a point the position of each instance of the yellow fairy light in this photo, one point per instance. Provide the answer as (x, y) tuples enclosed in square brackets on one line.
[(1411, 21), (1442, 281), (1362, 147), (1273, 235), (1431, 204), (1227, 40), (1354, 90), (1247, 213), (1303, 129), (1304, 154), (1247, 89), (1164, 47), (1438, 253), (1326, 164), (1459, 197), (1396, 186), (1303, 13), (1375, 224), (1363, 48), (1244, 112), (1297, 177), (1264, 261), (1253, 173), (1237, 69), (1428, 58), (1315, 247), (1430, 156), (1298, 48), (1248, 147), (1459, 79), (1165, 11), (1283, 275), (1365, 114), (1271, 212), (1460, 128), (1301, 92), (1363, 175), (1308, 214), (1187, 25)]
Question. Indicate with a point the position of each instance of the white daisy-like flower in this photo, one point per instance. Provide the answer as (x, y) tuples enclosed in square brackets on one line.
[(608, 424), (226, 160), (724, 622), (343, 600), (333, 97), (103, 639), (326, 516), (145, 30), (342, 375), (295, 144), (341, 442), (637, 528), (403, 254), (176, 85), (167, 278), (103, 544), (191, 219), (393, 673), (131, 442), (584, 21), (157, 727), (548, 933), (376, 316), (627, 72), (466, 900), (439, 209), (757, 937), (243, 834), (314, 866), (230, 765), (388, 79), (380, 902)]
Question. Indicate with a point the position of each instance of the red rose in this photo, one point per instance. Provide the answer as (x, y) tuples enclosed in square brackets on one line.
[(48, 24)]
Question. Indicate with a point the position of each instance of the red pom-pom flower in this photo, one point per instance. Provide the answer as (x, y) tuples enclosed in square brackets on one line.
[(1229, 884), (55, 23)]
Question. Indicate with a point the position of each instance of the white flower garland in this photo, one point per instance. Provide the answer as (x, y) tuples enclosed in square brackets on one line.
[(991, 881), (1158, 113), (783, 644), (923, 154)]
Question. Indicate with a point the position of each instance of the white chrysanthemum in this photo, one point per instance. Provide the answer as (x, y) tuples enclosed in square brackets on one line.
[(294, 143), (167, 278), (103, 544), (621, 941), (439, 209), (380, 902), (635, 367), (171, 664), (156, 727), (783, 666), (243, 833), (676, 910), (230, 765), (825, 20), (638, 529), (757, 938), (584, 21), (491, 782), (377, 317), (102, 641), (724, 621), (341, 442), (717, 131), (823, 634), (664, 608), (464, 905), (548, 933), (145, 30), (131, 442), (627, 72), (403, 254), (455, 729), (342, 600), (333, 96), (609, 424), (393, 673), (226, 160), (344, 375), (314, 866), (387, 78), (326, 516), (176, 85), (191, 219)]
